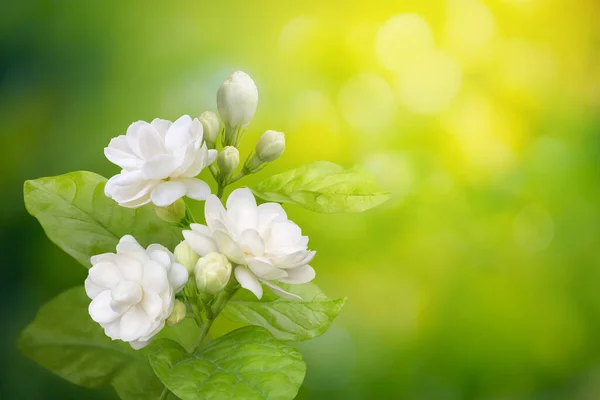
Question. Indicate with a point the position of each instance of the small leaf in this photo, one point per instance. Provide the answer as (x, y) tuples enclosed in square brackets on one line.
[(323, 187), (289, 320), (64, 339), (247, 363), (79, 218)]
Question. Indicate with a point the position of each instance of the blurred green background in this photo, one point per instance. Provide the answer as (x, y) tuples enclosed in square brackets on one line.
[(480, 279)]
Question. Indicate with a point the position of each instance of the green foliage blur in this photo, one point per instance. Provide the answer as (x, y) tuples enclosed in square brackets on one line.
[(479, 279)]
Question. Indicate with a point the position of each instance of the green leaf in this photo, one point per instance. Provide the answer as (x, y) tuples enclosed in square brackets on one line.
[(323, 187), (64, 339), (289, 320), (79, 218), (247, 363)]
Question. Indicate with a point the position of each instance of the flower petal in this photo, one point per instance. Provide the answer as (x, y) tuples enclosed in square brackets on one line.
[(212, 156), (267, 214), (105, 275), (167, 193), (293, 260), (248, 281), (138, 344), (155, 277), (241, 209), (134, 324), (178, 135), (162, 126), (144, 140), (285, 237), (152, 304), (196, 189), (200, 243), (119, 153), (299, 275), (214, 213), (280, 292), (264, 270), (252, 243), (160, 166), (178, 276), (229, 247), (100, 309), (199, 162)]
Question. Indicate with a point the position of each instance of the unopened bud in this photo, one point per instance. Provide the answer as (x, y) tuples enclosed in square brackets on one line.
[(186, 256), (211, 127), (178, 313), (212, 273), (237, 99), (228, 160), (172, 214), (270, 146)]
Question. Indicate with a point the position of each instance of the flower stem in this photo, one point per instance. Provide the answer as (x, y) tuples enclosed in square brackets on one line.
[(164, 394)]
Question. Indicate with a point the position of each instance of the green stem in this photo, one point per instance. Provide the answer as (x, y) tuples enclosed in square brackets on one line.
[(213, 313), (220, 190), (164, 394), (213, 170)]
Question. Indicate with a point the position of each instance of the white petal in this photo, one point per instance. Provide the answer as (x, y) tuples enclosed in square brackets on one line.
[(143, 139), (201, 244), (252, 242), (162, 126), (100, 309), (160, 166), (229, 247), (285, 237), (280, 292), (202, 229), (105, 257), (152, 304), (105, 275), (199, 162), (214, 213), (267, 214), (167, 193), (248, 281), (119, 153), (161, 256), (91, 289), (178, 276), (299, 275), (212, 156), (264, 270), (241, 209), (196, 189), (179, 135), (138, 344), (155, 277), (293, 260), (134, 324), (112, 329), (197, 130), (128, 178), (131, 268)]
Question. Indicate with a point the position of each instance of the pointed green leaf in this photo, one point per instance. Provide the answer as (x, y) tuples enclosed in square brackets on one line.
[(289, 320), (247, 363), (79, 218), (323, 187), (64, 339)]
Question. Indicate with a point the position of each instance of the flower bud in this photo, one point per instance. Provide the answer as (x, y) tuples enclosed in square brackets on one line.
[(178, 313), (186, 256), (270, 146), (237, 99), (172, 214), (212, 273), (211, 126), (228, 160)]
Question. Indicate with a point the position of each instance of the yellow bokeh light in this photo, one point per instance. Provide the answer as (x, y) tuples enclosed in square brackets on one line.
[(469, 30), (429, 82), (401, 38), (367, 102)]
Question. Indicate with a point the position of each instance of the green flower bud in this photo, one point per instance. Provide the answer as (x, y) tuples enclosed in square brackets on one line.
[(270, 146), (172, 214), (186, 256), (177, 315), (228, 160), (211, 126), (212, 273)]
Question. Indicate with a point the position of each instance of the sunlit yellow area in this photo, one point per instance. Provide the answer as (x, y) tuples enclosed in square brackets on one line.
[(480, 277)]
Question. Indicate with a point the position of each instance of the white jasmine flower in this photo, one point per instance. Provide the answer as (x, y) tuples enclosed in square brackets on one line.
[(237, 99), (264, 244), (160, 161), (212, 273), (133, 291)]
